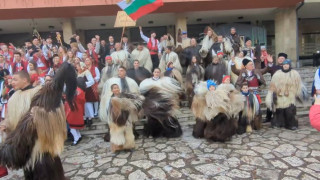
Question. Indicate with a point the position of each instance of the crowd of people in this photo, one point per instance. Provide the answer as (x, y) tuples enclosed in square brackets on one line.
[(120, 82)]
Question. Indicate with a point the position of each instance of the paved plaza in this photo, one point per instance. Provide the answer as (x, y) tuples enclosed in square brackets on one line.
[(265, 154)]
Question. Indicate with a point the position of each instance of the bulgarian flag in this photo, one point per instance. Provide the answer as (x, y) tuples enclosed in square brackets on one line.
[(137, 8)]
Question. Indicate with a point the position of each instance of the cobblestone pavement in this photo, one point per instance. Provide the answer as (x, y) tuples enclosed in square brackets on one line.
[(265, 154)]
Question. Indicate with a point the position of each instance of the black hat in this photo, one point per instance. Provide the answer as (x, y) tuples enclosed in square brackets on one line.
[(125, 36), (34, 37), (283, 55), (72, 40), (4, 72), (244, 53), (245, 62), (48, 37), (247, 39)]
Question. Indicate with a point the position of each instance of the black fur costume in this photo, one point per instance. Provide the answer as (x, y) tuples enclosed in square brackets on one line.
[(37, 140)]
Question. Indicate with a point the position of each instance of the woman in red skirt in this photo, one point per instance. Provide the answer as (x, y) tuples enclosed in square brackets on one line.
[(75, 118)]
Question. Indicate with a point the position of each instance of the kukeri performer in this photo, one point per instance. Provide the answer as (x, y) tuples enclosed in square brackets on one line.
[(126, 85), (120, 56), (249, 117), (216, 111), (161, 106), (109, 71), (285, 87), (195, 74), (170, 56), (122, 112), (36, 125), (142, 54), (254, 78)]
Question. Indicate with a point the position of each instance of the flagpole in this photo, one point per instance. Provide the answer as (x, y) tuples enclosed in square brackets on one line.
[(123, 29)]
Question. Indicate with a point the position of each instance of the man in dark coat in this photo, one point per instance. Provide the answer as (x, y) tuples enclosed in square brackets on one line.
[(217, 69), (235, 40), (138, 73)]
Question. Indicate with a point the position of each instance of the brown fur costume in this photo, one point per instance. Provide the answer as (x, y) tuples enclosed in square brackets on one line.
[(123, 113), (195, 74), (38, 139), (216, 112)]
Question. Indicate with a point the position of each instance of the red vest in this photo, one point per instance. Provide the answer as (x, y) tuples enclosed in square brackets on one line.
[(153, 49), (23, 66), (43, 60), (254, 83), (8, 57)]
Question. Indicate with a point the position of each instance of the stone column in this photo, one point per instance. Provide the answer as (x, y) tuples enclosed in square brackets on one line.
[(181, 22), (286, 33), (68, 29)]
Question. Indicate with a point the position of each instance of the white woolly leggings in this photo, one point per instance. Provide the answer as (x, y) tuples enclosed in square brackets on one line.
[(76, 134), (91, 109)]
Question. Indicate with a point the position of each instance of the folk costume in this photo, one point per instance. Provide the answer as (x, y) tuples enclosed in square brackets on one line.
[(216, 111), (37, 131), (154, 48), (285, 87), (207, 42), (75, 118), (109, 71), (121, 58), (161, 107), (255, 80), (171, 57), (168, 42), (174, 73), (195, 74), (143, 57), (235, 41)]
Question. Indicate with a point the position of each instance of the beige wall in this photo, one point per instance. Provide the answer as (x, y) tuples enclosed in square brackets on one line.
[(286, 32)]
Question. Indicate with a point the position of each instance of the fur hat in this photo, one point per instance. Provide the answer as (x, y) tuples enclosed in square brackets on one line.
[(211, 83), (283, 55), (245, 61), (287, 61), (108, 57), (220, 53), (225, 78), (247, 39)]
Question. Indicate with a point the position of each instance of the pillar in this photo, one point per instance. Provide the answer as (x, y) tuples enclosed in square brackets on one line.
[(68, 29), (181, 23), (286, 33)]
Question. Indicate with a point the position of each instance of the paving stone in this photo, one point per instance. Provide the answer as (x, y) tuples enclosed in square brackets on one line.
[(85, 171), (157, 173), (178, 164), (293, 172), (157, 156), (94, 175), (112, 170), (261, 150), (113, 176), (137, 175), (145, 164), (119, 162), (294, 161), (126, 169), (279, 164), (211, 169), (268, 174), (285, 149), (138, 155), (235, 173)]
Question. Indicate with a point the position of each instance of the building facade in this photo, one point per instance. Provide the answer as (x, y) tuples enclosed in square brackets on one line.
[(292, 26)]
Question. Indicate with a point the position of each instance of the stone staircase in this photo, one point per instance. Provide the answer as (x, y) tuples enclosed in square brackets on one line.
[(186, 117)]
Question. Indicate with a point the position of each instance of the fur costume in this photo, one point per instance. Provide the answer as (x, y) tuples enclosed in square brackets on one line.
[(161, 107), (207, 42), (285, 87), (107, 93), (175, 74), (171, 57), (121, 58), (143, 57), (107, 72), (249, 118), (38, 139), (139, 74), (195, 74), (122, 114), (168, 42), (216, 111), (187, 53)]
